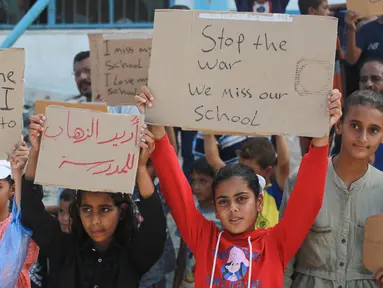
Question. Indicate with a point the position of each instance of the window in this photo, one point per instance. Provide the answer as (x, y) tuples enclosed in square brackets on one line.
[(84, 13)]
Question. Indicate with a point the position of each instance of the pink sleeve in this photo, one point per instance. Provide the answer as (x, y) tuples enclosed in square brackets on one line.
[(33, 254)]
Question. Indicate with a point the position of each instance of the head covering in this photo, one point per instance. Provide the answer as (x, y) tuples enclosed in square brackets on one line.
[(5, 169), (262, 183)]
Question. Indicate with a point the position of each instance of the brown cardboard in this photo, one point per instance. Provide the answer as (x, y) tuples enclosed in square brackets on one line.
[(88, 150), (11, 99), (295, 80), (41, 106), (94, 40), (373, 243), (122, 66), (366, 8)]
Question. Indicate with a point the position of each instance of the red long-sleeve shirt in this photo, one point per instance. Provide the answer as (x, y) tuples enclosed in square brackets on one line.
[(258, 257)]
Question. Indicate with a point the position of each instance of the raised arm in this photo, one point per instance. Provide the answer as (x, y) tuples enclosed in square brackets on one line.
[(212, 152), (173, 184), (46, 229), (353, 52), (18, 161), (283, 165), (306, 198), (144, 250)]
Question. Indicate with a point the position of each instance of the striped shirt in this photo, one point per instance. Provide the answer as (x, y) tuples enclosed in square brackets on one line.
[(227, 146)]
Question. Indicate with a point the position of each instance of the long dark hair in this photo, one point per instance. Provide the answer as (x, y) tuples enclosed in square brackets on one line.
[(127, 225)]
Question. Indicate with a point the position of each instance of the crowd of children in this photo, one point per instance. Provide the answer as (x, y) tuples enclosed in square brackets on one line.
[(234, 215)]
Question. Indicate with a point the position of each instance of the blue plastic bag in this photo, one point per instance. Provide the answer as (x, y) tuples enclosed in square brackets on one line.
[(13, 249)]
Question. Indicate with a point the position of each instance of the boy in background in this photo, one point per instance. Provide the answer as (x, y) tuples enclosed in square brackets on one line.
[(259, 154), (202, 175), (321, 8)]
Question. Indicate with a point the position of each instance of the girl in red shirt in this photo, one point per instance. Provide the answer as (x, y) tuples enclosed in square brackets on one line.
[(238, 255)]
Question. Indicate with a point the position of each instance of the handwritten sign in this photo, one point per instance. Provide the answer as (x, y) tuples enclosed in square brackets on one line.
[(366, 8), (41, 106), (11, 99), (121, 67), (242, 72), (373, 243), (89, 150)]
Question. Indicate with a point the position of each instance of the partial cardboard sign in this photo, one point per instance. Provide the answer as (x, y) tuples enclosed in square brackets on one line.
[(41, 106), (89, 150), (94, 40), (121, 67), (11, 99), (373, 243), (242, 72), (366, 8)]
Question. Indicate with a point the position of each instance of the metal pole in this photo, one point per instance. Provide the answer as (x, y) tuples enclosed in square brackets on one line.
[(24, 23), (52, 13), (111, 11)]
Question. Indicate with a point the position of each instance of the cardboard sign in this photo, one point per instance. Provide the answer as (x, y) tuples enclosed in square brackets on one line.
[(121, 67), (242, 72), (41, 106), (94, 40), (373, 243), (92, 151), (11, 99), (366, 8)]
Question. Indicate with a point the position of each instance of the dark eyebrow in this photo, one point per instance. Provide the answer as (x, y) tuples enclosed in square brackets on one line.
[(105, 206), (241, 193), (236, 195), (376, 126)]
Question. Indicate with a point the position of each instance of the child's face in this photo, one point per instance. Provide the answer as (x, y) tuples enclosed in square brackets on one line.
[(322, 10), (99, 216), (361, 131), (6, 191), (64, 217), (236, 205), (201, 186)]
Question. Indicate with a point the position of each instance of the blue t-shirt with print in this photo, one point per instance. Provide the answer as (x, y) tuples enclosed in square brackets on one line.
[(370, 40)]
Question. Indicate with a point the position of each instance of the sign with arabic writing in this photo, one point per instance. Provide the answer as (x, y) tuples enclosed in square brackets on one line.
[(11, 99), (89, 150)]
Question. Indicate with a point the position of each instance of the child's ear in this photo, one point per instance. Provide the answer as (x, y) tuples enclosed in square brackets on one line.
[(311, 11), (339, 128), (12, 191), (260, 203), (269, 171)]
